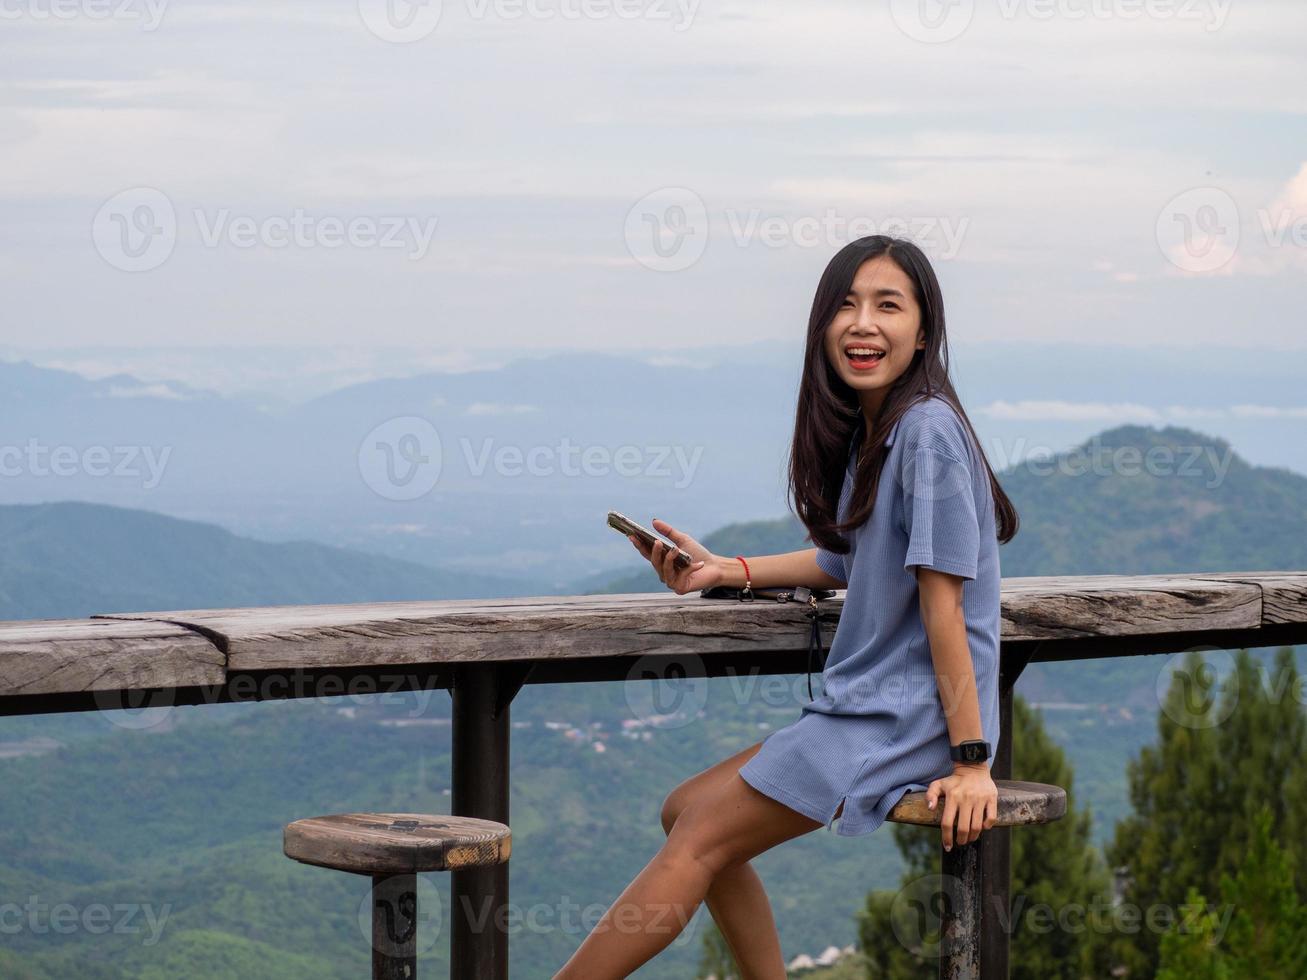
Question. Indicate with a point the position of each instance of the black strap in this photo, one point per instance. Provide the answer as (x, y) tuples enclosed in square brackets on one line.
[(815, 617)]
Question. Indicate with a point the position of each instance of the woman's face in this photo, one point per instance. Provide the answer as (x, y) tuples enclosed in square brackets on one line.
[(871, 340)]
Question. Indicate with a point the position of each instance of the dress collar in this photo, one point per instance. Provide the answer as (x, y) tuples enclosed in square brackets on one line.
[(889, 441)]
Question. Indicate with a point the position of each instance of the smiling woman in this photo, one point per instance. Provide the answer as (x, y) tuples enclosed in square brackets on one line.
[(910, 687)]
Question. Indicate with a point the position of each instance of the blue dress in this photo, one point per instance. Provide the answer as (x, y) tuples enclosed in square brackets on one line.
[(878, 729)]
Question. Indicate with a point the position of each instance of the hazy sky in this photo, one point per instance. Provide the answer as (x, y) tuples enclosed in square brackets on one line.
[(646, 174)]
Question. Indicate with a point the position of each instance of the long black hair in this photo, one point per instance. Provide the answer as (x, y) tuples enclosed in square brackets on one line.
[(829, 412)]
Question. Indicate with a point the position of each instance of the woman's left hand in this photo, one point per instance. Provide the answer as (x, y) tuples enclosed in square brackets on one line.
[(970, 800)]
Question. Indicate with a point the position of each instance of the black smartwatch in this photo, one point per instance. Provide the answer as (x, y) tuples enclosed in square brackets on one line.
[(972, 750)]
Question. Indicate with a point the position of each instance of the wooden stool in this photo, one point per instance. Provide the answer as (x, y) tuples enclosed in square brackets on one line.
[(392, 848), (1019, 804)]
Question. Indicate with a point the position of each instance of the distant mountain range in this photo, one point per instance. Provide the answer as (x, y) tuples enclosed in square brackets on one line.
[(532, 454), (75, 559), (1133, 499)]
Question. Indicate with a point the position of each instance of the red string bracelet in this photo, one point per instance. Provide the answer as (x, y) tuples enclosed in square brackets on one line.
[(748, 591)]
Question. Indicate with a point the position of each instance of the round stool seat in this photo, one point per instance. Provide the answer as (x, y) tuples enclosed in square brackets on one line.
[(1019, 803), (396, 843)]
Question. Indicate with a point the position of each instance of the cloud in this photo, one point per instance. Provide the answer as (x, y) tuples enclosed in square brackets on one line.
[(1124, 412), (145, 391), (1268, 412), (1062, 411), (499, 408)]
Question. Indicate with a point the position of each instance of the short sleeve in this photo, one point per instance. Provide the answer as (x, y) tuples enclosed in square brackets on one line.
[(832, 564), (939, 512)]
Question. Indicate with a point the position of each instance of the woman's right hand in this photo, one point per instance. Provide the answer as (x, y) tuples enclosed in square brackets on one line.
[(702, 573)]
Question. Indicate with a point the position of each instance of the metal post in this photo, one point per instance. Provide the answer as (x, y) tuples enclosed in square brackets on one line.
[(959, 953), (478, 944), (394, 927), (996, 864)]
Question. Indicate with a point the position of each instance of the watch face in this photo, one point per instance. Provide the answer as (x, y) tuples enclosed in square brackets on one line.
[(973, 753)]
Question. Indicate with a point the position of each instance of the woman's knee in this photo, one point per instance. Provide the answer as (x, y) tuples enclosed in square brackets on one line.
[(694, 837), (675, 802)]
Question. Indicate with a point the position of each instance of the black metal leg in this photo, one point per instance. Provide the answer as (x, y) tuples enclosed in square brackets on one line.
[(479, 896), (394, 927), (996, 865), (959, 953)]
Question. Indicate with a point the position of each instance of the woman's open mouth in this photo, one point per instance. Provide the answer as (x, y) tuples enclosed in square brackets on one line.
[(863, 358)]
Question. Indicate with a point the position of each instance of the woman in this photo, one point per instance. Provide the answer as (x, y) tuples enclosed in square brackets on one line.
[(889, 479)]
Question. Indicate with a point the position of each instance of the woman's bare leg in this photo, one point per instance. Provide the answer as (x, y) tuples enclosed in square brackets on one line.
[(736, 898), (724, 828)]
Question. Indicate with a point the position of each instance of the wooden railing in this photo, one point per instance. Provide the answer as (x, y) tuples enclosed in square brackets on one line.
[(483, 651)]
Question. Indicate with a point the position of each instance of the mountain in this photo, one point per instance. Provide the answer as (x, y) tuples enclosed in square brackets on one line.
[(517, 463), (73, 559), (1137, 499), (1131, 500)]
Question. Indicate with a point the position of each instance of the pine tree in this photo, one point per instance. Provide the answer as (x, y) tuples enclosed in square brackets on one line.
[(1191, 953), (1267, 924), (1055, 867), (1221, 754)]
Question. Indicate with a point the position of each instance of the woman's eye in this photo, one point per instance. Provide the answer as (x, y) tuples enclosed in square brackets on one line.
[(847, 302)]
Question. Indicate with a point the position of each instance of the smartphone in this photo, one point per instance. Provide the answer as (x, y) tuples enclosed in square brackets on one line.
[(627, 526)]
